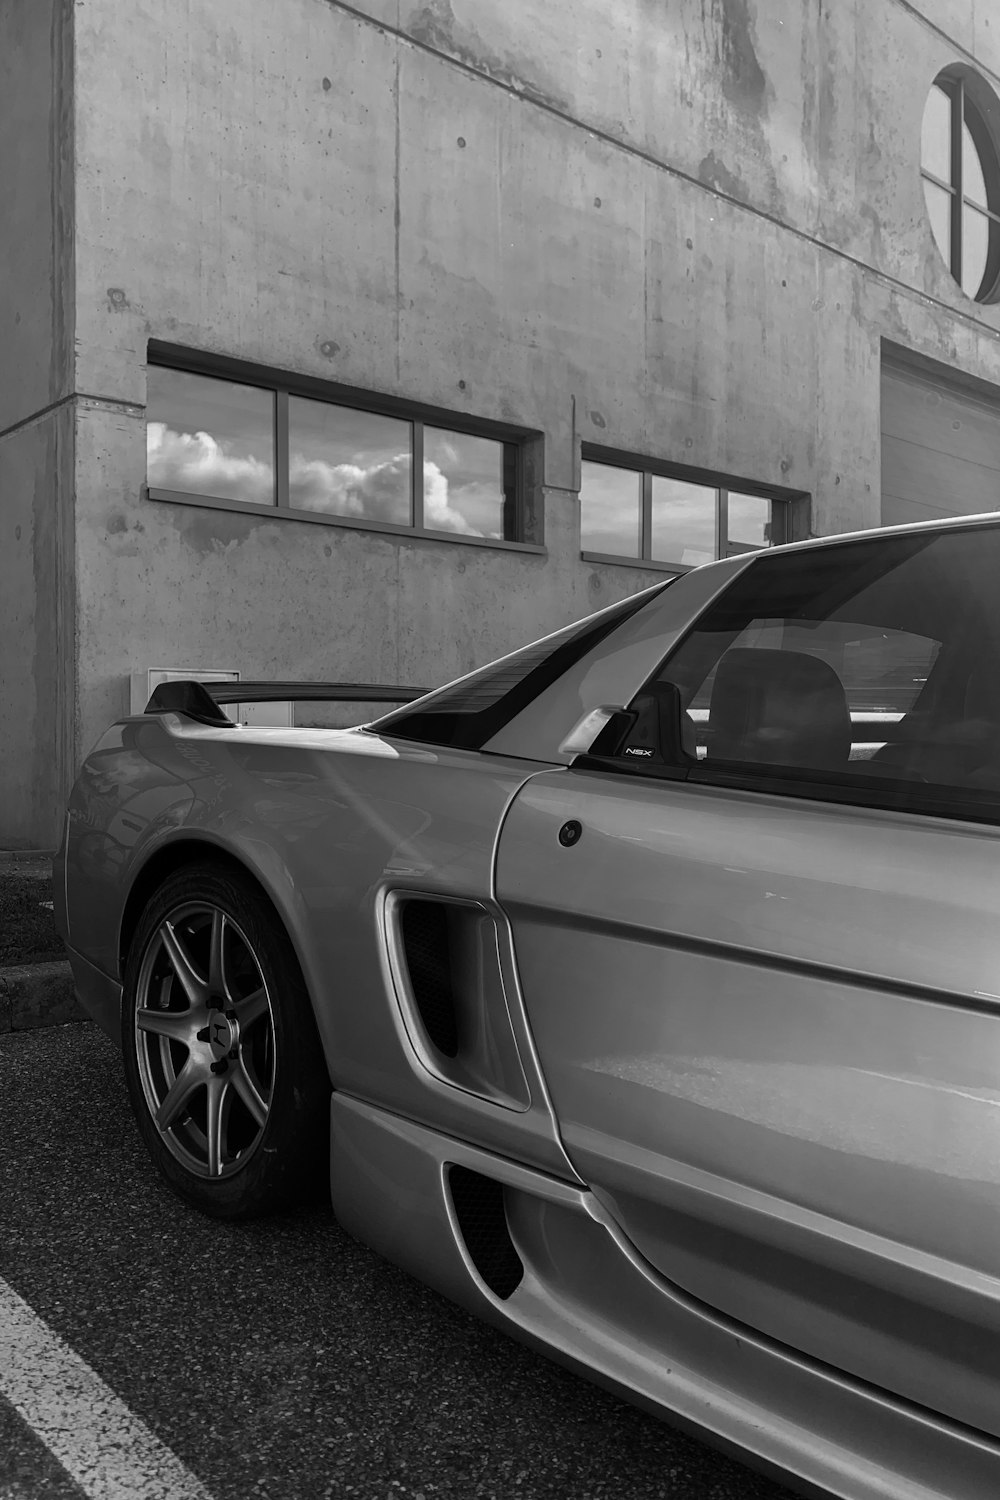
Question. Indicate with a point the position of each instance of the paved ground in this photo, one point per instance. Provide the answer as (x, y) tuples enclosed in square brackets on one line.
[(282, 1359)]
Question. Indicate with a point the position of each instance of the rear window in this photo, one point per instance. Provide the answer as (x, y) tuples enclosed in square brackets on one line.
[(467, 713)]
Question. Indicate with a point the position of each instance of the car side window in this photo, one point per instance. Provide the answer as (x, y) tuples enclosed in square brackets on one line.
[(866, 672), (882, 672)]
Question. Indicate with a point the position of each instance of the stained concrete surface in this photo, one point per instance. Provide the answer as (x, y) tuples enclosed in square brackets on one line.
[(36, 147), (283, 1359), (681, 233)]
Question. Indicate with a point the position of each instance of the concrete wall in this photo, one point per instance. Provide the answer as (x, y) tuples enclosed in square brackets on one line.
[(681, 231), (37, 754), (171, 585), (37, 627), (36, 148), (239, 190)]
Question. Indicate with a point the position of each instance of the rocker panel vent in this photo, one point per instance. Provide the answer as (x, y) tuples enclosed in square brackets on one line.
[(426, 944), (482, 1220)]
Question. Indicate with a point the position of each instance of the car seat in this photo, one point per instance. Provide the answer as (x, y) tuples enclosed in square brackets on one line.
[(778, 708)]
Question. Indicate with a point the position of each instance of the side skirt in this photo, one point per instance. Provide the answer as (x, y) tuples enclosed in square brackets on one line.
[(587, 1298)]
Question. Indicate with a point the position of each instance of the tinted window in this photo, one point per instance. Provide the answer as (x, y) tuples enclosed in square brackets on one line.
[(467, 713), (882, 672), (868, 672)]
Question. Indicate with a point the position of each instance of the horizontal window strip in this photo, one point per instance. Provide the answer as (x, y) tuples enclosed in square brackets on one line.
[(673, 518), (264, 442)]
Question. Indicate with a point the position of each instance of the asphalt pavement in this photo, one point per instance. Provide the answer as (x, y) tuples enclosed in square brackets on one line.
[(279, 1359)]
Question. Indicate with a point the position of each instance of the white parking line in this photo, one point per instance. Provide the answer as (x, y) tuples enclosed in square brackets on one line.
[(110, 1453)]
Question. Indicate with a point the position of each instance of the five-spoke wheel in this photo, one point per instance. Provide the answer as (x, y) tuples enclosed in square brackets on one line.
[(221, 1056)]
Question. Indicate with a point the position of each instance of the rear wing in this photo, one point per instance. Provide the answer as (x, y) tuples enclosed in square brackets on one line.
[(201, 700)]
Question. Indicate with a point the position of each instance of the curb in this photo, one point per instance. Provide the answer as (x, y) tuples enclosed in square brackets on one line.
[(35, 995)]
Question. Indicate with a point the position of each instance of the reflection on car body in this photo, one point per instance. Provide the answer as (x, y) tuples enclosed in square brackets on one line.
[(702, 1099)]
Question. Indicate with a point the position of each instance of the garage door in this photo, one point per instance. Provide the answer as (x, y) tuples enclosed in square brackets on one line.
[(940, 449)]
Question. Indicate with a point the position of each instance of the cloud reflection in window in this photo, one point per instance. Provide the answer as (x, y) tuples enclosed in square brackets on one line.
[(209, 437)]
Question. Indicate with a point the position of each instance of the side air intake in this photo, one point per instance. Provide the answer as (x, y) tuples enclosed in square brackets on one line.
[(482, 1220), (448, 971), (427, 946)]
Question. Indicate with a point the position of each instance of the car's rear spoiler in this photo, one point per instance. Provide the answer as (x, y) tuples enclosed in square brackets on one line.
[(201, 700)]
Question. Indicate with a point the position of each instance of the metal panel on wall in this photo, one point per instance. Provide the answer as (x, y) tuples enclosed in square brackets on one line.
[(940, 448)]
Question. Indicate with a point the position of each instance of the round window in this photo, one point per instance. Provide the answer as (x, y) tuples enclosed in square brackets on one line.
[(960, 168)]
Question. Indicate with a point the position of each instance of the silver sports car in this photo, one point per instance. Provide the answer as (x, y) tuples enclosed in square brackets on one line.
[(640, 991)]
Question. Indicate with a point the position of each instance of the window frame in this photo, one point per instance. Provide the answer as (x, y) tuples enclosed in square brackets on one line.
[(782, 508), (522, 448), (967, 110)]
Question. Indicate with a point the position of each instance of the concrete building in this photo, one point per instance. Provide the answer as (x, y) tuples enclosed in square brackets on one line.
[(369, 341)]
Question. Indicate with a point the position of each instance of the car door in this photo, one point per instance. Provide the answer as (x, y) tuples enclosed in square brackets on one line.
[(764, 979)]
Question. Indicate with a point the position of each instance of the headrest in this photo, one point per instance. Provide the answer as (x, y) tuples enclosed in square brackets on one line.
[(779, 708)]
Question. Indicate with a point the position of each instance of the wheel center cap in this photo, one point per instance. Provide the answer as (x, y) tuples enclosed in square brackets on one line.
[(222, 1034)]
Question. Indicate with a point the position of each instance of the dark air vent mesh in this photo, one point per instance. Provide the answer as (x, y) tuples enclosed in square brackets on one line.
[(428, 959), (480, 1212)]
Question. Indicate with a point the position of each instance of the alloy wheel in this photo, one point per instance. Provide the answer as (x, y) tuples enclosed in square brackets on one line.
[(204, 1039)]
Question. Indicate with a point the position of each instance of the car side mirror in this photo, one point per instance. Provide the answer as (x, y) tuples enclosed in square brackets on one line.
[(596, 724), (647, 733)]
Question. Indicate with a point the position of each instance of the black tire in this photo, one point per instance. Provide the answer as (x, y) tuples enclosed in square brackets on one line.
[(223, 1062)]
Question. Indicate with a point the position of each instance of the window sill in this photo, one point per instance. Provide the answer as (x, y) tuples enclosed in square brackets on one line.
[(635, 562), (350, 523)]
